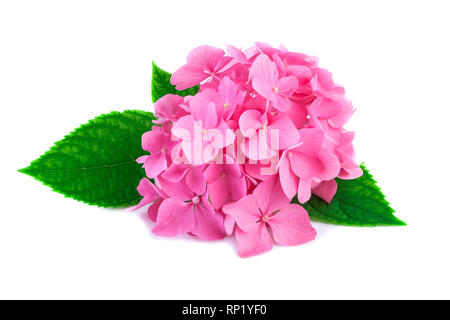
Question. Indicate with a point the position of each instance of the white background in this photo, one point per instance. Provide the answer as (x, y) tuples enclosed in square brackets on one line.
[(64, 62)]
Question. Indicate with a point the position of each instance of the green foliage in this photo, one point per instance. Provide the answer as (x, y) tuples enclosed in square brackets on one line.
[(358, 202), (161, 85), (96, 163)]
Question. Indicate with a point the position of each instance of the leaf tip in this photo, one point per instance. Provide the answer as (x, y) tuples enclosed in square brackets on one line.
[(25, 170), (399, 223)]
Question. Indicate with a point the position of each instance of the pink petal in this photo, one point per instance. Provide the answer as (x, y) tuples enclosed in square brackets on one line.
[(264, 68), (325, 108), (203, 110), (145, 188), (201, 62), (287, 85), (218, 192), (295, 58), (254, 242), (208, 224), (152, 141), (207, 115), (174, 217), (232, 170), (249, 122), (287, 133), (340, 119), (184, 128), (281, 103), (270, 196), (195, 180), (304, 190), (305, 166), (259, 170), (188, 76), (289, 181), (176, 172), (228, 90), (311, 139), (350, 173), (291, 226), (257, 146), (264, 74), (237, 54), (302, 73), (168, 107), (176, 190), (297, 113), (221, 136), (147, 192), (237, 187), (153, 209), (213, 172), (245, 212), (155, 164), (207, 57), (229, 224), (326, 190), (330, 163), (323, 80)]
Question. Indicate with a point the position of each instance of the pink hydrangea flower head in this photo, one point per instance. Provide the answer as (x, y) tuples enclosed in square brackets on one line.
[(266, 125)]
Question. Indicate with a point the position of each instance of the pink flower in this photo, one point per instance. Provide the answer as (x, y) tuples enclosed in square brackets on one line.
[(226, 182), (158, 144), (306, 165), (167, 108), (193, 175), (202, 63), (225, 98), (147, 192), (265, 217), (331, 103), (151, 195), (261, 132), (203, 133), (187, 212), (266, 81), (325, 190), (349, 168)]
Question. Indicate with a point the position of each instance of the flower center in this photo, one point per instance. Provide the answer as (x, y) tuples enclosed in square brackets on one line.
[(265, 218), (163, 150), (289, 154), (226, 105), (275, 90), (204, 132), (264, 127), (195, 199), (224, 175)]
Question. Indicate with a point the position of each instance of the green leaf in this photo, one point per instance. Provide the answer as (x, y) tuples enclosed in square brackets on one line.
[(161, 85), (357, 202), (96, 163)]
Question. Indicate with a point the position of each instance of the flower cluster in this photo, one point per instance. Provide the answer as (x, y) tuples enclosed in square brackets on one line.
[(265, 126)]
